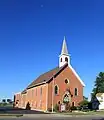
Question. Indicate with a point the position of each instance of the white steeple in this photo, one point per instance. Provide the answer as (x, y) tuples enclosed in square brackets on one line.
[(64, 57), (64, 48)]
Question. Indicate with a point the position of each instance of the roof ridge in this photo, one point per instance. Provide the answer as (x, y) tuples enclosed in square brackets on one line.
[(46, 77), (49, 71), (42, 75)]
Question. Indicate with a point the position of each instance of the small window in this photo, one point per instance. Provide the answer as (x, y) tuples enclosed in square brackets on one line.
[(61, 60), (56, 90), (76, 92), (66, 59), (66, 81), (41, 91)]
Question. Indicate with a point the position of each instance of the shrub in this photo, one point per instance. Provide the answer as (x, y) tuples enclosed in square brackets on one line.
[(4, 104), (28, 106), (79, 108), (73, 108), (83, 103), (50, 109), (56, 108)]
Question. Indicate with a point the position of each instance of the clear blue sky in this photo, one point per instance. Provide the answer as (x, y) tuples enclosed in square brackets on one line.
[(31, 34)]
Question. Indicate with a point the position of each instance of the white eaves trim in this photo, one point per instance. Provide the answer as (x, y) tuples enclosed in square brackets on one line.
[(17, 93), (76, 75)]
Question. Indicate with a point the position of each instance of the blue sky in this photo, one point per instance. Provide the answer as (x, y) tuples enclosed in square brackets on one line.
[(31, 35)]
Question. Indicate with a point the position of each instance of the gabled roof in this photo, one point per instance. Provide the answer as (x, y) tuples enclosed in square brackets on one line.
[(46, 77), (75, 73)]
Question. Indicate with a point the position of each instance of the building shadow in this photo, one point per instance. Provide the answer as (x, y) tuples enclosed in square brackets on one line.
[(11, 110)]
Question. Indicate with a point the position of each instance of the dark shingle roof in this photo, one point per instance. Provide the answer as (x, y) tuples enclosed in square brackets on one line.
[(24, 91), (46, 77)]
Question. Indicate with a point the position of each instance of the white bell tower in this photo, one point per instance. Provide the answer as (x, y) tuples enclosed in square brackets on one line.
[(64, 57)]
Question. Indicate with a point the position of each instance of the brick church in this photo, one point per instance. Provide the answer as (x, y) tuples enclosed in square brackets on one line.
[(57, 86)]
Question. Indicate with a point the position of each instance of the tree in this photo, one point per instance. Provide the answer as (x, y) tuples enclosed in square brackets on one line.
[(99, 84), (9, 100), (85, 98), (83, 103), (4, 100)]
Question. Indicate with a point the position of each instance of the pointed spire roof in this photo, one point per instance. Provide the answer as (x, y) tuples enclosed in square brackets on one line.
[(64, 48)]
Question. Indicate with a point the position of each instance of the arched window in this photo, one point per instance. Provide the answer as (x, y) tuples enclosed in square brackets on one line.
[(66, 98), (56, 90), (61, 60), (76, 92), (66, 59)]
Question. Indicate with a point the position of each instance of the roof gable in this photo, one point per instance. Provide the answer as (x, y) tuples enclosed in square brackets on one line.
[(46, 77), (76, 75)]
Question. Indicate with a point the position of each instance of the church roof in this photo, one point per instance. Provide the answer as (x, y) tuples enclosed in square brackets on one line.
[(46, 77), (24, 91), (64, 48)]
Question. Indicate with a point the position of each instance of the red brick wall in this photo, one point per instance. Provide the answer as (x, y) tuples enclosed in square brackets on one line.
[(60, 81), (50, 94), (37, 101), (17, 99), (44, 101), (23, 101)]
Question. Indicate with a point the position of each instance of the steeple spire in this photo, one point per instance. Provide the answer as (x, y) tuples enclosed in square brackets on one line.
[(64, 48), (64, 57)]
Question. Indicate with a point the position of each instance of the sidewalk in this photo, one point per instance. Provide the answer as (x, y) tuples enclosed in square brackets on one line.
[(61, 115)]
